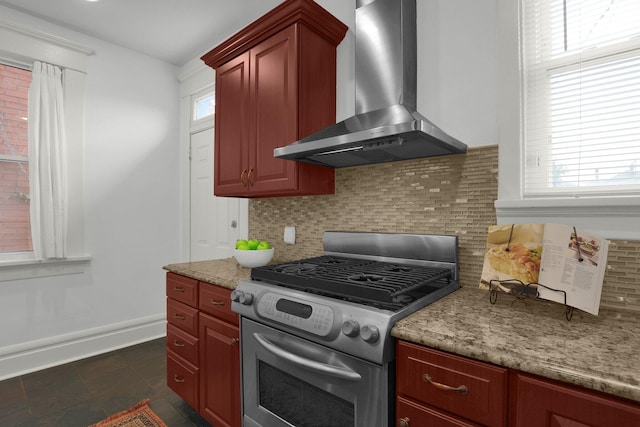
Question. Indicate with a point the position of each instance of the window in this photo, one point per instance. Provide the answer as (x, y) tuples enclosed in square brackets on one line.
[(204, 106), (581, 61), (15, 233), (20, 47)]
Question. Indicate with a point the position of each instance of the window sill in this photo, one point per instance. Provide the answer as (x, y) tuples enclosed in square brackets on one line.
[(29, 269), (610, 217)]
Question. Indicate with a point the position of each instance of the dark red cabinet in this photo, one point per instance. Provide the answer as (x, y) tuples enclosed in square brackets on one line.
[(275, 84), (494, 396), (203, 349)]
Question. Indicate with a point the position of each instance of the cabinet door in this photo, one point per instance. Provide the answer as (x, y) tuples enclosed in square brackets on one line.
[(543, 403), (220, 372), (273, 100), (231, 156)]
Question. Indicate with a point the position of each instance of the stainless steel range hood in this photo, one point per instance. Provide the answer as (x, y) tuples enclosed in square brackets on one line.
[(386, 126)]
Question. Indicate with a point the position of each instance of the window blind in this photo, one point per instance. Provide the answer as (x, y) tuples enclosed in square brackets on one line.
[(581, 63)]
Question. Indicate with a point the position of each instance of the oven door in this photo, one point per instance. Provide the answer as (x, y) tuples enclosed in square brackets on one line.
[(288, 381)]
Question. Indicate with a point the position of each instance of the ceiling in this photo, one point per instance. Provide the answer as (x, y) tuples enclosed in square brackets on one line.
[(174, 31)]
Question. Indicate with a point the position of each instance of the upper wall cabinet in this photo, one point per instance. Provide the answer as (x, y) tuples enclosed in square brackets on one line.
[(275, 84)]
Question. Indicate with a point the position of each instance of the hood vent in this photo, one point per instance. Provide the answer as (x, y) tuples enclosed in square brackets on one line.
[(386, 126)]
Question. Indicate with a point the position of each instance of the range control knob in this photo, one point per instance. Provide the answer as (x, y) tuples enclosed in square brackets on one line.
[(235, 295), (369, 333), (246, 298), (351, 328)]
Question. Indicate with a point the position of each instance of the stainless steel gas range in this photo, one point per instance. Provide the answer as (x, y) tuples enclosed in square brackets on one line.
[(315, 333)]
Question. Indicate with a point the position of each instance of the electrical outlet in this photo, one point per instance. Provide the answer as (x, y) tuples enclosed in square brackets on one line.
[(290, 235)]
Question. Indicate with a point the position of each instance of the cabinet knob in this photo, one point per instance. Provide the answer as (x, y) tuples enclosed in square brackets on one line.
[(251, 177), (403, 422)]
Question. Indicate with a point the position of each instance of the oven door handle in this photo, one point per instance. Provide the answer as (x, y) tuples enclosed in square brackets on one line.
[(334, 371)]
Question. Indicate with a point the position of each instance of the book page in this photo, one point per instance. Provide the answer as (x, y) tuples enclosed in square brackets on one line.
[(573, 264), (513, 252)]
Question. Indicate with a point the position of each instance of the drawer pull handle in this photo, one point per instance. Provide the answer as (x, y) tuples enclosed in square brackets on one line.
[(177, 343), (443, 387), (235, 341), (178, 289), (403, 422), (177, 379), (179, 316), (214, 302)]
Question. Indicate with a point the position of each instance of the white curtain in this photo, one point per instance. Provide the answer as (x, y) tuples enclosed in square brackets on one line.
[(47, 158)]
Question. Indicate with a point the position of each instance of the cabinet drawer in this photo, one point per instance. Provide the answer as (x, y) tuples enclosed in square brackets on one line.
[(183, 289), (216, 301), (438, 379), (415, 415), (545, 403), (183, 344), (183, 379), (182, 316)]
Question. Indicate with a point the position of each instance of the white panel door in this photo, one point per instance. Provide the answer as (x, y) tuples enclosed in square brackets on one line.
[(216, 222)]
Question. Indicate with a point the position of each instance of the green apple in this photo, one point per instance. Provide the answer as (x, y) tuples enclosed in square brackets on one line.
[(240, 242), (264, 245), (253, 244), (242, 246)]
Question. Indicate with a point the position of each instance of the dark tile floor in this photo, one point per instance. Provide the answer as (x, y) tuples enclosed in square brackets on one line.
[(84, 392)]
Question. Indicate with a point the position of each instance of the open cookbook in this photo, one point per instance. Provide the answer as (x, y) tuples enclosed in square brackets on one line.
[(555, 262)]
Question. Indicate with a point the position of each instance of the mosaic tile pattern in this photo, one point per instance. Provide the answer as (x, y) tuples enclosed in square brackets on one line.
[(440, 195)]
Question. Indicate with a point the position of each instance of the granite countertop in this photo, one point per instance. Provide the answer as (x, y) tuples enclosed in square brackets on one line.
[(598, 352), (222, 272)]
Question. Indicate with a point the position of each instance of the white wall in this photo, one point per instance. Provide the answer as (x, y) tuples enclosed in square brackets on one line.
[(132, 218), (457, 66)]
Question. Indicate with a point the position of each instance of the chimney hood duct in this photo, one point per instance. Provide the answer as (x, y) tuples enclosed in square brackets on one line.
[(386, 126)]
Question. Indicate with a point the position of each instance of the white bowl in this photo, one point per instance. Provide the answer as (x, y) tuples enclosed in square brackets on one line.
[(255, 258)]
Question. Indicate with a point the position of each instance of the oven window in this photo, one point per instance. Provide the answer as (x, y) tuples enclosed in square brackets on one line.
[(300, 403)]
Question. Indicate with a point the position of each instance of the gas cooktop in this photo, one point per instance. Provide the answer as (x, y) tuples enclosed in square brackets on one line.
[(387, 285)]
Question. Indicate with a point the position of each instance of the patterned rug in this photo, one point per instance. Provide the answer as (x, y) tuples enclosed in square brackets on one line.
[(138, 416)]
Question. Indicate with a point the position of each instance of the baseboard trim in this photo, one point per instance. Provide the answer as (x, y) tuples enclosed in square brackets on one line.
[(35, 355)]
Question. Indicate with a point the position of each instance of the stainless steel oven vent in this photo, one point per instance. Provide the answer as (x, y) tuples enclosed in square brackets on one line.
[(387, 126)]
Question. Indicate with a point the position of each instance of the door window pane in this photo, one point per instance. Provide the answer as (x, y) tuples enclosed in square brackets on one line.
[(204, 107)]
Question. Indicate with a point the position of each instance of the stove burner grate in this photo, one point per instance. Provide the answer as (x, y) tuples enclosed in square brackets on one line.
[(381, 284)]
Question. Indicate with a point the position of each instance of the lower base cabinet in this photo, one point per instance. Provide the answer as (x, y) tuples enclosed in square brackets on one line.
[(439, 389), (203, 349)]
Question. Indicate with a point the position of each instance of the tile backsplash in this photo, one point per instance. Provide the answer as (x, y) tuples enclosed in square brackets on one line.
[(439, 195)]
